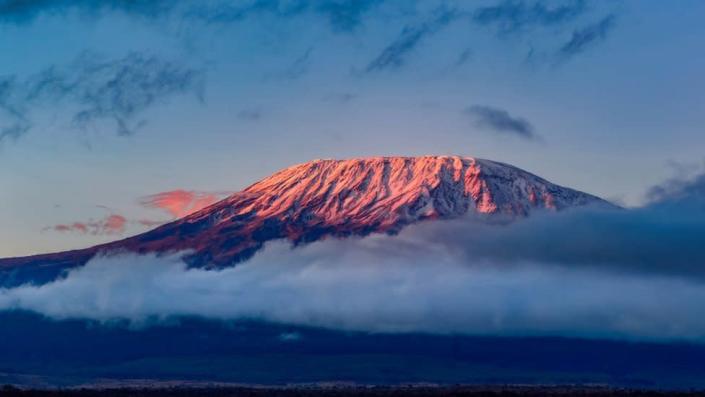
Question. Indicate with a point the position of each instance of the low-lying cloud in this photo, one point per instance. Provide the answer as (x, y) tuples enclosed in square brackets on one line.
[(361, 285), (634, 274)]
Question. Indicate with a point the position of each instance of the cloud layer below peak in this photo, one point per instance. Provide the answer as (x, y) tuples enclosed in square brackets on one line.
[(634, 274)]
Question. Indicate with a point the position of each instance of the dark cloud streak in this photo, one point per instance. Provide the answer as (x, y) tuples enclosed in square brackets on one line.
[(393, 56), (96, 90), (499, 120), (342, 15), (346, 15), (251, 114), (299, 66), (587, 36), (13, 118), (24, 11), (223, 12), (464, 57), (510, 16)]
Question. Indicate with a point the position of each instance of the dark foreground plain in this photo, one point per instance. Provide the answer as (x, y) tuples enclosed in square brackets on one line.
[(411, 391), (39, 353)]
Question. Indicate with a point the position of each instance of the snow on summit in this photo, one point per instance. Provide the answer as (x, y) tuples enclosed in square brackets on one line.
[(309, 201)]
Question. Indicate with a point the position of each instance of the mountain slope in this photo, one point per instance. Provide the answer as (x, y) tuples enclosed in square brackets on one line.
[(322, 198)]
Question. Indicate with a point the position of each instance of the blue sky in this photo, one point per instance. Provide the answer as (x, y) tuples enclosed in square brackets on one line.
[(103, 104)]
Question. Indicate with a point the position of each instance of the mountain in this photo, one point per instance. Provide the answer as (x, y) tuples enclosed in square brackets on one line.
[(320, 198)]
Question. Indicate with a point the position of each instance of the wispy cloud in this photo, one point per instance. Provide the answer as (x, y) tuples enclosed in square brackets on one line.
[(345, 15), (250, 114), (512, 15), (512, 18), (229, 11), (342, 15), (15, 122), (179, 203), (499, 120), (464, 57), (299, 66), (587, 36), (110, 225), (22, 11), (97, 90), (176, 203), (394, 55), (118, 90)]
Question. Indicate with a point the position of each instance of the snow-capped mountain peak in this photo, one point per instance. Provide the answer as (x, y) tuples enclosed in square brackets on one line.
[(337, 198)]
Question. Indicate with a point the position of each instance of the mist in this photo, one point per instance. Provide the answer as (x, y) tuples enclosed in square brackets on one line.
[(361, 285), (635, 274)]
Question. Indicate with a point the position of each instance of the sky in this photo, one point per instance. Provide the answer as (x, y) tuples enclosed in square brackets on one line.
[(116, 116)]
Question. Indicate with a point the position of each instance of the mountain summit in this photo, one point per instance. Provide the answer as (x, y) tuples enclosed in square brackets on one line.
[(321, 198)]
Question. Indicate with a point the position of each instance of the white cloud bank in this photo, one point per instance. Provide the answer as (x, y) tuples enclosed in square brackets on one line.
[(635, 274), (378, 284)]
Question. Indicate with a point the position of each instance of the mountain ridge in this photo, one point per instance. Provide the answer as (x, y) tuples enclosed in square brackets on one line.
[(333, 198)]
